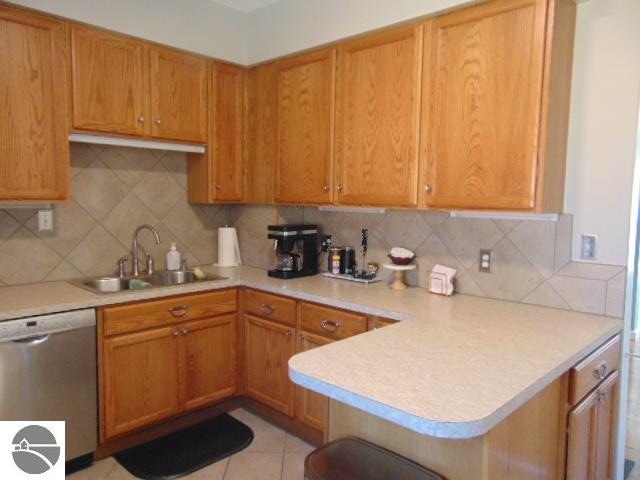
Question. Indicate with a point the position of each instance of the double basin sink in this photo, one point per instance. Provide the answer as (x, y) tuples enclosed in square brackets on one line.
[(165, 278)]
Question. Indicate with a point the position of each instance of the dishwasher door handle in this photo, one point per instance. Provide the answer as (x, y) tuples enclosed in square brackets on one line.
[(33, 340)]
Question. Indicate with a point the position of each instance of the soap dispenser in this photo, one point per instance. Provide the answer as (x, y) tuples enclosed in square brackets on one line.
[(174, 259)]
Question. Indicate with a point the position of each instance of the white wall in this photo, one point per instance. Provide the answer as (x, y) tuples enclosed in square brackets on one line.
[(198, 25), (290, 25), (604, 109)]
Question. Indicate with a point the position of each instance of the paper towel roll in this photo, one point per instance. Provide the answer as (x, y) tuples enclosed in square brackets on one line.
[(228, 248)]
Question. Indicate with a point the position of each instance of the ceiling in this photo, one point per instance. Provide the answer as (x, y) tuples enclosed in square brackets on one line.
[(245, 5)]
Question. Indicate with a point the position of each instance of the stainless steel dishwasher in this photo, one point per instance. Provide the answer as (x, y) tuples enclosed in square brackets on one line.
[(48, 372)]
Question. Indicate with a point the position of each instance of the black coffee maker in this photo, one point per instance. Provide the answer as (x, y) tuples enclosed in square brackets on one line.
[(296, 250)]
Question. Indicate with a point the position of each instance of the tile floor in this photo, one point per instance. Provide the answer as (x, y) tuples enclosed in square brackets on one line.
[(273, 455)]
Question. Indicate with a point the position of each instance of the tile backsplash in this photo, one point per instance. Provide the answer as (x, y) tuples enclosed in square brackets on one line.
[(114, 190), (532, 258)]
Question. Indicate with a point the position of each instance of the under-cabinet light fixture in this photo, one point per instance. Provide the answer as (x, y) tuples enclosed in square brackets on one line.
[(331, 208), (540, 217), (136, 143)]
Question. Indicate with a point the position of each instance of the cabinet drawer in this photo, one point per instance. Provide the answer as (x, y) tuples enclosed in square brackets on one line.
[(593, 369), (330, 322), (139, 316), (273, 307)]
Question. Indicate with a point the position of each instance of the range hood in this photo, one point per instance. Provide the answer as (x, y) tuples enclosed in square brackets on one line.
[(136, 143)]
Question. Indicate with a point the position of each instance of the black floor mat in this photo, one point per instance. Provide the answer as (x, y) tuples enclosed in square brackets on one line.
[(185, 451)]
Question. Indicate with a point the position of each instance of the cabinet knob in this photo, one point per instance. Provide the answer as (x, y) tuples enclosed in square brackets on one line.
[(157, 121), (339, 187), (428, 187), (301, 337), (184, 331), (218, 186), (600, 372), (289, 333), (140, 119), (175, 333), (326, 188)]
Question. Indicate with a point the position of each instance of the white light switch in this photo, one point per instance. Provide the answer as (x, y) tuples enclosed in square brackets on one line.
[(45, 220)]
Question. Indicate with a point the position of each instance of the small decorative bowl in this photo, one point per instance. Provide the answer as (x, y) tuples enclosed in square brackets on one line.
[(401, 260)]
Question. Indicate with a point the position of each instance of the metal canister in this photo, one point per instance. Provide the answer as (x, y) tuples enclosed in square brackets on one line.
[(348, 264), (335, 259)]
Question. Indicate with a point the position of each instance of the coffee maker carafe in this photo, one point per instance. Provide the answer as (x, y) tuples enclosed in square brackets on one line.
[(296, 250)]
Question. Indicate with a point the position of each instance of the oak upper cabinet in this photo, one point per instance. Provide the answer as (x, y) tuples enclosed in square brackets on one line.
[(261, 126), (304, 161), (590, 448), (377, 118), (495, 106), (110, 82), (178, 95), (311, 407), (140, 379), (218, 175), (209, 355), (268, 347), (34, 149)]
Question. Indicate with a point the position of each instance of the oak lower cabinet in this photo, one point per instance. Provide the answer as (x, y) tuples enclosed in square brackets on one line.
[(140, 375), (268, 347), (208, 352), (311, 407), (496, 89), (34, 127), (161, 358)]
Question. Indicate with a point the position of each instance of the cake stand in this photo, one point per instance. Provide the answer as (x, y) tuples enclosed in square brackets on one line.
[(399, 272)]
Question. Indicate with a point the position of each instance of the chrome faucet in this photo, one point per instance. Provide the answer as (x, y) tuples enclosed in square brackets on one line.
[(135, 267)]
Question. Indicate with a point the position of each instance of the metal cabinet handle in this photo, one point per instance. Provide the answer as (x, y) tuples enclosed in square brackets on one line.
[(175, 333), (301, 337), (141, 119), (339, 187), (600, 372), (179, 311), (330, 325), (157, 121), (428, 187), (218, 186), (267, 309), (184, 331), (326, 188), (289, 333)]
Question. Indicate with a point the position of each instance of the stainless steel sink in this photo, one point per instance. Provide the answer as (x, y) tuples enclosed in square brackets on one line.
[(165, 278)]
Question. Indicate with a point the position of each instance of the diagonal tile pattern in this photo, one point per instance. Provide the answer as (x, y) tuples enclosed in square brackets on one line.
[(114, 189), (273, 455), (532, 259)]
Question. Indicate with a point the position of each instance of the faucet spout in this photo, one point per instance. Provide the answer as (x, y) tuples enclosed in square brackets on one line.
[(135, 243)]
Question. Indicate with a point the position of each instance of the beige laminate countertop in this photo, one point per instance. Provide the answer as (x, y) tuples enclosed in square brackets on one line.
[(455, 369)]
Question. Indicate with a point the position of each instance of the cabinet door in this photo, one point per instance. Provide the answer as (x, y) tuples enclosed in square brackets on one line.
[(34, 126), (268, 349), (591, 434), (377, 118), (262, 87), (311, 407), (178, 95), (140, 379), (227, 91), (208, 360), (482, 94), (304, 161), (109, 82)]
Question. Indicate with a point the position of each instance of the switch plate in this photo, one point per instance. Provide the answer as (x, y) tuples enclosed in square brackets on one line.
[(45, 220), (588, 246), (485, 261)]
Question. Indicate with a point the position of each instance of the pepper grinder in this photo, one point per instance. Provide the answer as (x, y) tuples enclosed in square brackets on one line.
[(363, 249)]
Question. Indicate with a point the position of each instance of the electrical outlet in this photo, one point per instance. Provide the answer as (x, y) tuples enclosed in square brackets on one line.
[(588, 246), (485, 264), (45, 220)]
